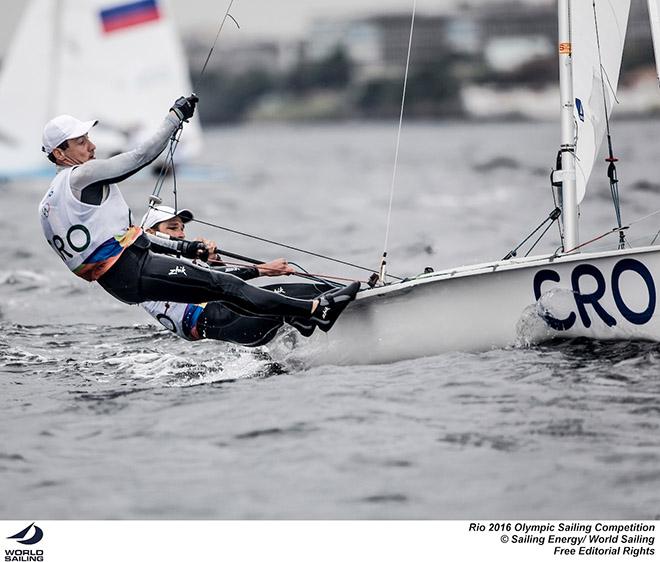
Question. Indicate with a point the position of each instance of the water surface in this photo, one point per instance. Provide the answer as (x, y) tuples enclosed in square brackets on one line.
[(107, 416)]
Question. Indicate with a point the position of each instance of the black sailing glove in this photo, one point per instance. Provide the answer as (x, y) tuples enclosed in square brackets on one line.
[(193, 250), (185, 107)]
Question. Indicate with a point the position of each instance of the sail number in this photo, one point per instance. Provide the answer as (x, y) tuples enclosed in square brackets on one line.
[(591, 301)]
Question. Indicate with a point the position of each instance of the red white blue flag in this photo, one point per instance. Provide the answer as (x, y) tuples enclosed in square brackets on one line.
[(128, 15)]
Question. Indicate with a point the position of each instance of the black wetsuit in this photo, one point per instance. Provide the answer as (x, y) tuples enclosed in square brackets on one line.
[(218, 322), (142, 275)]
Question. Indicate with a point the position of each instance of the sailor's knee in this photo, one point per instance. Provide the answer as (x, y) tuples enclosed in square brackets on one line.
[(224, 284)]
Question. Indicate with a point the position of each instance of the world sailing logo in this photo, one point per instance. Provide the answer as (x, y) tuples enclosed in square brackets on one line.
[(18, 555), (34, 539), (579, 108)]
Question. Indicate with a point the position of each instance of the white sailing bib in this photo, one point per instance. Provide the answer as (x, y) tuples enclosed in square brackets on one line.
[(177, 317), (88, 238)]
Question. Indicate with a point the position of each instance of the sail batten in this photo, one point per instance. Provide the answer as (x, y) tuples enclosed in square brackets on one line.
[(598, 31)]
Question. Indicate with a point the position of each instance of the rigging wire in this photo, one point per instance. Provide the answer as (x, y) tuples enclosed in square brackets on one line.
[(169, 161), (383, 274), (328, 279), (552, 217), (625, 227), (595, 239), (538, 239), (217, 35), (554, 189), (174, 142), (155, 198), (654, 213), (288, 247), (318, 277), (611, 169)]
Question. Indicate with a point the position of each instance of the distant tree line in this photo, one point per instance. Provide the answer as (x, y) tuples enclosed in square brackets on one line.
[(433, 90)]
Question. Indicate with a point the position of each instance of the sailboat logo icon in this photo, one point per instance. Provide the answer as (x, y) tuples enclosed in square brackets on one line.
[(580, 109), (34, 539)]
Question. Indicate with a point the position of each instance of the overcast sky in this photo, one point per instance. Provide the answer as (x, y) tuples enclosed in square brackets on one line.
[(279, 18), (282, 17)]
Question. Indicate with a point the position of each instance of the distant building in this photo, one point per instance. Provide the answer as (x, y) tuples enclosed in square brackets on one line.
[(498, 44), (378, 45), (513, 34), (463, 33), (239, 57)]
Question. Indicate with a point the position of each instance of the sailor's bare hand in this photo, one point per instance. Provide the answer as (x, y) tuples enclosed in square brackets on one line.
[(276, 267)]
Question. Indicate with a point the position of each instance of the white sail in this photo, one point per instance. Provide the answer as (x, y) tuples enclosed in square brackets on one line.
[(654, 16), (25, 90), (595, 97), (118, 61)]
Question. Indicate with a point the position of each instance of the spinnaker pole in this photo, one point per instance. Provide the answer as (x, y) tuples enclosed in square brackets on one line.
[(568, 130)]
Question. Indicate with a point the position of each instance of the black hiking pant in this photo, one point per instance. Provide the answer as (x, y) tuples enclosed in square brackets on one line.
[(218, 322), (141, 275)]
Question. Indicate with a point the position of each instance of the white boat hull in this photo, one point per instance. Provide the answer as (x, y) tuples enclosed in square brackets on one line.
[(609, 295)]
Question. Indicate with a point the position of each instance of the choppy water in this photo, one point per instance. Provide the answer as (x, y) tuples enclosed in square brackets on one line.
[(106, 416)]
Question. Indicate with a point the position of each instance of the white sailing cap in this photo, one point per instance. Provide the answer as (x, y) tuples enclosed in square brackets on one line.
[(61, 128), (161, 213)]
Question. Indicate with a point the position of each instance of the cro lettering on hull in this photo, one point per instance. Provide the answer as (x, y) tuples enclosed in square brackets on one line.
[(590, 303)]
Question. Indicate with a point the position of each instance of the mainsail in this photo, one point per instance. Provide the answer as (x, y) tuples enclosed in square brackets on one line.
[(25, 90), (118, 61), (654, 16), (598, 31)]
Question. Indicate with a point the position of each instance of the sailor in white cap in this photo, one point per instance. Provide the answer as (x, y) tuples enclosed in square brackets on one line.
[(89, 226), (59, 131), (162, 213), (214, 320), (164, 221)]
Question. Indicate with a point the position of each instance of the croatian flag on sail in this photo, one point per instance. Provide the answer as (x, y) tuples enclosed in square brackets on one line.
[(128, 15)]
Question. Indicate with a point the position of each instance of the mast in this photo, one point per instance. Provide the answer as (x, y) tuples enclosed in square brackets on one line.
[(53, 105), (568, 132)]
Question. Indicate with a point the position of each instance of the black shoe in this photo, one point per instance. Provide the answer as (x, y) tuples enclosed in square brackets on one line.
[(305, 326), (332, 304)]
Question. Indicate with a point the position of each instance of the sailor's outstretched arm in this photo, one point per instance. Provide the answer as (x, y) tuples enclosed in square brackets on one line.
[(195, 250), (187, 249), (96, 173), (242, 272)]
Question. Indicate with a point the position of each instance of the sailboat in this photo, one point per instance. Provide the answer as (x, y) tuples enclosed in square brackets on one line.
[(606, 295), (118, 61)]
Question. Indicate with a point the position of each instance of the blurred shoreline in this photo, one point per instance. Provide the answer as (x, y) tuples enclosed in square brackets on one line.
[(495, 61)]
